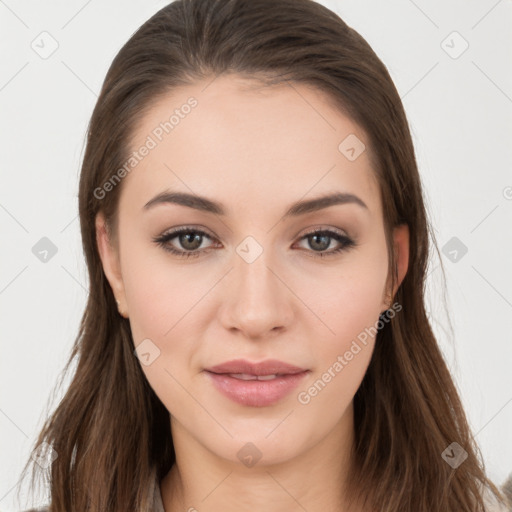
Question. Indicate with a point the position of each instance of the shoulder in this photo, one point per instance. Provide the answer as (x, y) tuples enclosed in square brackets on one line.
[(492, 504)]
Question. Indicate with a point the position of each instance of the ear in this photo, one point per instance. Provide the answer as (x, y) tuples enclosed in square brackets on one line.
[(401, 249), (109, 255)]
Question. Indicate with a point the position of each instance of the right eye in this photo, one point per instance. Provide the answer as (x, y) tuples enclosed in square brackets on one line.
[(189, 238)]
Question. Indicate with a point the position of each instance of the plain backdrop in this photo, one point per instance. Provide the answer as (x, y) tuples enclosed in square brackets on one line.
[(451, 63)]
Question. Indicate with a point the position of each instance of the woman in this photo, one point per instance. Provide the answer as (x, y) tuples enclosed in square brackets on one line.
[(255, 335)]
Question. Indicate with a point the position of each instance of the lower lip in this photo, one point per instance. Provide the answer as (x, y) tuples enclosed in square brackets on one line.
[(256, 393)]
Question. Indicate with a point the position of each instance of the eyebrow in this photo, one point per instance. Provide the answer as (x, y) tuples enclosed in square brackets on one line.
[(296, 209)]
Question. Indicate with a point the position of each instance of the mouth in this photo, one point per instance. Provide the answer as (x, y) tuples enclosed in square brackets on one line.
[(247, 376), (242, 367), (256, 384)]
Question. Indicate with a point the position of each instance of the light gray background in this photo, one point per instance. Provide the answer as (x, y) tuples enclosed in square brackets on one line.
[(459, 108)]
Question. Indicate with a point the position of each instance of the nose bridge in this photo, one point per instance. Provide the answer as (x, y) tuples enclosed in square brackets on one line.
[(257, 300), (253, 268)]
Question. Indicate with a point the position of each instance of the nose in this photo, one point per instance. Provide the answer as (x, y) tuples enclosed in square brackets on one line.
[(257, 300)]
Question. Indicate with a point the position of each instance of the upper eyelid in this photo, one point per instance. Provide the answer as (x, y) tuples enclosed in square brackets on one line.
[(184, 229), (203, 231)]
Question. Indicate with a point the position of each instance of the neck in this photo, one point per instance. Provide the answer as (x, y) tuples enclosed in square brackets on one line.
[(314, 480)]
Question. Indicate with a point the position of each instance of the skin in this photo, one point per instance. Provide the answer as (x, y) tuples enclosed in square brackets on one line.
[(256, 150)]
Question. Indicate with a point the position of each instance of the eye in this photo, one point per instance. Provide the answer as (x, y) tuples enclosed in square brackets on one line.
[(320, 240), (191, 240)]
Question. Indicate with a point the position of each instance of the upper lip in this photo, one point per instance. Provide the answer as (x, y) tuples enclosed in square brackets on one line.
[(268, 367)]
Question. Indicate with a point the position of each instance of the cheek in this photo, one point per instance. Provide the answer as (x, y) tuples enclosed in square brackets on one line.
[(164, 303), (161, 300), (343, 355), (158, 292), (349, 311), (347, 300)]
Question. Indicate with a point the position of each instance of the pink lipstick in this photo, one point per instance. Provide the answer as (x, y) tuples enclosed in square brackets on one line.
[(256, 384)]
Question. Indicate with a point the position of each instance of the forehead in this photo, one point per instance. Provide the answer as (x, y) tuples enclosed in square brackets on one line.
[(236, 140)]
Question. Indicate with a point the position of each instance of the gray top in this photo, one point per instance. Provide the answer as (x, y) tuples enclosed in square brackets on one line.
[(158, 505)]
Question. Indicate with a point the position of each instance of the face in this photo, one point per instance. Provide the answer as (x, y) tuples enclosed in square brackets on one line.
[(260, 283)]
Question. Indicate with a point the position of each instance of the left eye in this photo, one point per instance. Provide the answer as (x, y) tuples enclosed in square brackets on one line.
[(321, 239), (191, 239)]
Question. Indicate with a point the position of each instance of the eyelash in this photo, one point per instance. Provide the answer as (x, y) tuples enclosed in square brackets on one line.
[(162, 241)]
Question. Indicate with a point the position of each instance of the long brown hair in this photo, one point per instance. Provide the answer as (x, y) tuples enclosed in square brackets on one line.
[(110, 433)]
